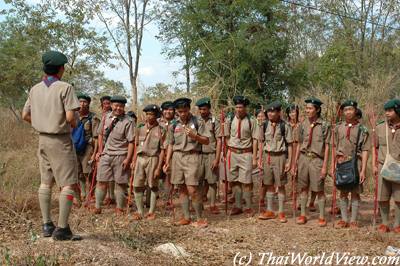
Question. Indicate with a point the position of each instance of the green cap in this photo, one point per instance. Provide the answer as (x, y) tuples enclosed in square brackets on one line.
[(118, 99), (167, 105), (274, 106), (314, 101), (203, 102), (54, 58), (348, 103), (182, 102), (239, 99), (392, 104), (84, 97), (151, 108)]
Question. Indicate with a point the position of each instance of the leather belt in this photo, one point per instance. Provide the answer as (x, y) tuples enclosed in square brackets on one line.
[(240, 151)]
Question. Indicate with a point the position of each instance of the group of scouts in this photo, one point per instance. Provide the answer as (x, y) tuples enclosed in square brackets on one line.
[(190, 151)]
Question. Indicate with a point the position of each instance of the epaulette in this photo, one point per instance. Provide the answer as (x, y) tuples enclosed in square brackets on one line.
[(129, 118), (380, 122), (140, 125), (363, 129)]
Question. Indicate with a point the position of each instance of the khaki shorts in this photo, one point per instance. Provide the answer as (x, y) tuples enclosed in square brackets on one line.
[(57, 160), (185, 168), (144, 171), (83, 162), (274, 172), (309, 173), (110, 169), (240, 167), (387, 189), (205, 169)]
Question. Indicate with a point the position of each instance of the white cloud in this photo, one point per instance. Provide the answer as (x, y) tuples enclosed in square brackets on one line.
[(146, 71)]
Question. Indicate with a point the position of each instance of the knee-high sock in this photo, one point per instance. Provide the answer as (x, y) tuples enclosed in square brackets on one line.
[(303, 202), (185, 206), (45, 203), (237, 191), (153, 201), (343, 209), (213, 193), (384, 210), (355, 203), (281, 202), (270, 198), (66, 199), (247, 199), (111, 190), (396, 214), (139, 201), (100, 195), (120, 195), (321, 205)]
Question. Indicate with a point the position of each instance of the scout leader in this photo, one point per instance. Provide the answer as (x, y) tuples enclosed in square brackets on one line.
[(210, 154), (86, 150), (311, 158), (351, 138), (115, 159), (50, 108), (184, 139), (149, 141), (276, 162), (388, 145), (242, 133)]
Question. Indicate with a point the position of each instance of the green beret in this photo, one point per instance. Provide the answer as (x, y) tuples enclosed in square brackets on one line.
[(314, 101), (182, 102), (167, 105), (203, 102), (105, 98), (239, 99), (54, 58), (132, 114), (118, 99), (349, 103), (151, 108), (84, 97), (392, 104), (274, 106)]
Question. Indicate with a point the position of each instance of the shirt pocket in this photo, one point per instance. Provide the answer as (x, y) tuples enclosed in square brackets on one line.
[(178, 138)]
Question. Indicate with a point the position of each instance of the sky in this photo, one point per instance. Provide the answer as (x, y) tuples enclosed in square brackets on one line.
[(153, 68)]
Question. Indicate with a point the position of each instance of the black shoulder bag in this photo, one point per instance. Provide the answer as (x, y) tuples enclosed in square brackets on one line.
[(347, 174)]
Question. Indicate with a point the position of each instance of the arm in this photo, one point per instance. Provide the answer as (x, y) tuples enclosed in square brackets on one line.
[(364, 160), (71, 118), (289, 159), (27, 117), (168, 158), (255, 149), (324, 169)]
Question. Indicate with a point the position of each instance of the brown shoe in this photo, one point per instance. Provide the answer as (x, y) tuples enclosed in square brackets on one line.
[(119, 211), (383, 229), (249, 212), (282, 217), (342, 224), (312, 208), (353, 225), (183, 221), (322, 222), (214, 210), (201, 223), (137, 216), (236, 211), (151, 216), (96, 210), (301, 219), (396, 229), (267, 215)]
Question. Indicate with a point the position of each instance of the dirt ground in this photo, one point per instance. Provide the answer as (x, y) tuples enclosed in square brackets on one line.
[(118, 240)]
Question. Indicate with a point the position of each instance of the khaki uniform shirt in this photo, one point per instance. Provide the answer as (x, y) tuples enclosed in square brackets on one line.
[(321, 136), (295, 132), (119, 138), (345, 146), (150, 141), (48, 105), (273, 139), (394, 142), (213, 129), (178, 138), (90, 126), (249, 130)]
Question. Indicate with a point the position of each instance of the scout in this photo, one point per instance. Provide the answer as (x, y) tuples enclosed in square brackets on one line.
[(86, 150), (115, 159), (184, 139), (50, 109), (388, 145), (311, 158), (261, 118), (149, 140), (210, 154), (242, 133), (277, 157), (346, 136)]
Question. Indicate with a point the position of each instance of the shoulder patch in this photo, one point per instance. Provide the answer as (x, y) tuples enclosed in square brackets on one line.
[(380, 122), (364, 129)]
